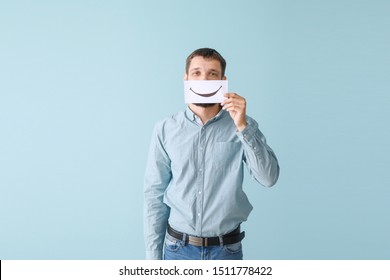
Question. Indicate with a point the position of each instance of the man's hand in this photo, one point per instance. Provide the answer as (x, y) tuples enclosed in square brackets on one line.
[(236, 106)]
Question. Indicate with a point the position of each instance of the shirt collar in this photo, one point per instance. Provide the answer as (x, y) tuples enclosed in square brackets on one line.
[(193, 117)]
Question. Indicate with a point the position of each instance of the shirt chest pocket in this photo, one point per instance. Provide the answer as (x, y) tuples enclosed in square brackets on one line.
[(226, 155)]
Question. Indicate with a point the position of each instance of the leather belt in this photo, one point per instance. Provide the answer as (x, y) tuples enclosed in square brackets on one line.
[(230, 238)]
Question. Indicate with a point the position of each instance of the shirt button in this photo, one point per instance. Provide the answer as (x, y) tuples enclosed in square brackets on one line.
[(200, 170), (198, 214), (199, 192)]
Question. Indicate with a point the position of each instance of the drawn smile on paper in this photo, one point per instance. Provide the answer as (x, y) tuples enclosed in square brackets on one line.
[(206, 94)]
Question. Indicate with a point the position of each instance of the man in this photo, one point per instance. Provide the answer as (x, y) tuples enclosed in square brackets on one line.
[(194, 202)]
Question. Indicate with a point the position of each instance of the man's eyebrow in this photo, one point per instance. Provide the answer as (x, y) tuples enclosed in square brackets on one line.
[(210, 70), (215, 71)]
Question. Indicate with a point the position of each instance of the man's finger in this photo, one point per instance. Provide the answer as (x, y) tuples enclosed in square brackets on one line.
[(231, 95)]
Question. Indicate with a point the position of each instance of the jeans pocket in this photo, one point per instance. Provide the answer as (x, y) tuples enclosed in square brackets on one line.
[(172, 244), (233, 248)]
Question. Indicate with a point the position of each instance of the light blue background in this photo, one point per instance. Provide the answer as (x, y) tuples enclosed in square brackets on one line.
[(83, 82)]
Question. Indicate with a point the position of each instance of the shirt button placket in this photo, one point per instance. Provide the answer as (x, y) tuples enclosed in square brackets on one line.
[(200, 178)]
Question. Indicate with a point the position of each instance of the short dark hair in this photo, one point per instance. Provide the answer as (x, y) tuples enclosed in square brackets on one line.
[(207, 53)]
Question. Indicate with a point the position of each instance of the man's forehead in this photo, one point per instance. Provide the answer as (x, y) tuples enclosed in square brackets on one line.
[(199, 62)]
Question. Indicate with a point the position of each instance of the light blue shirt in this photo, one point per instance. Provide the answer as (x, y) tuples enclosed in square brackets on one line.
[(194, 176)]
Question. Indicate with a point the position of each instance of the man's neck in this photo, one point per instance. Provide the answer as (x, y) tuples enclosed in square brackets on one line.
[(205, 113)]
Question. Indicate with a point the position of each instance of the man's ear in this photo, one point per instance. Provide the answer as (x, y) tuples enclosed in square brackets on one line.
[(185, 76), (224, 78)]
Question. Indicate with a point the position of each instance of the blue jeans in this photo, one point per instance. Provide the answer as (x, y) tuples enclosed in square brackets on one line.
[(175, 249)]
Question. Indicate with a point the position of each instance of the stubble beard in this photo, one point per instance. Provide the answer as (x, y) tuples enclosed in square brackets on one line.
[(205, 105)]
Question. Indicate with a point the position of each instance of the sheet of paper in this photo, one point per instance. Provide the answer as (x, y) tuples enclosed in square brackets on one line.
[(205, 91)]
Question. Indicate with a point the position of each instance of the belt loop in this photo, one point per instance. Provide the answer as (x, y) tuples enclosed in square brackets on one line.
[(184, 239), (220, 240)]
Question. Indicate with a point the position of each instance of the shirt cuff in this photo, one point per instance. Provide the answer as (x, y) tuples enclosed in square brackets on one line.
[(154, 255), (247, 136)]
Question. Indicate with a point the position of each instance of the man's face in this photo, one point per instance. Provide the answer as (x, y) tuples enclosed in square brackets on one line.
[(204, 69)]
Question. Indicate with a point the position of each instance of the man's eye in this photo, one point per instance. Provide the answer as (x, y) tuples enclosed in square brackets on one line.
[(197, 73)]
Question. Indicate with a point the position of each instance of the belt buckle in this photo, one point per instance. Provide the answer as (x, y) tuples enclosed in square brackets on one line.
[(196, 241)]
